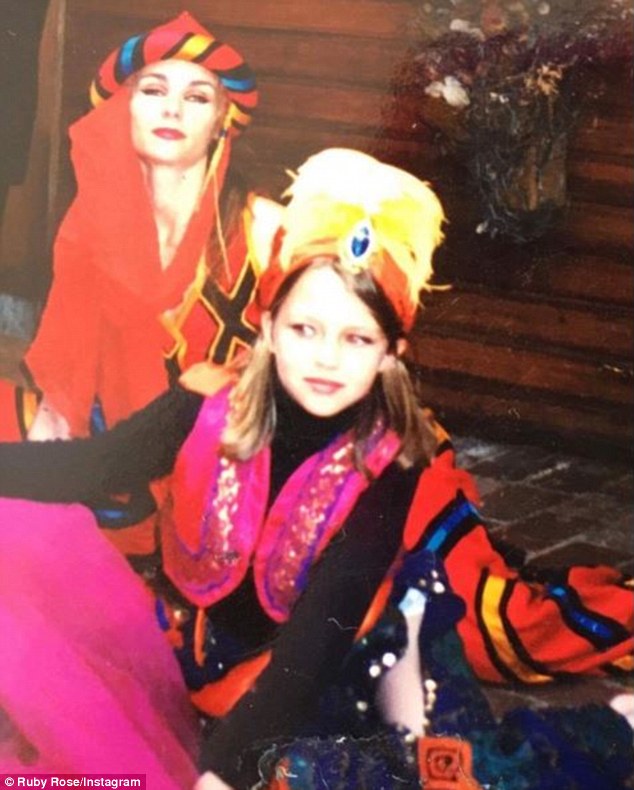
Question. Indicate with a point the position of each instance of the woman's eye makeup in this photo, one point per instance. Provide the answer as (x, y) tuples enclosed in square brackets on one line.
[(198, 98), (152, 90)]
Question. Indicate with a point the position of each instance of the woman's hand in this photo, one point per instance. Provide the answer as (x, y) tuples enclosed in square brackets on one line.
[(48, 424), (209, 781)]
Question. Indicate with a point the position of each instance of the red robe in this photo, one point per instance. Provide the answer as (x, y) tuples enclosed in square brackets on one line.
[(101, 334)]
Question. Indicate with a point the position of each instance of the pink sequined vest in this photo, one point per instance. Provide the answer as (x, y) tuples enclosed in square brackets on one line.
[(214, 523)]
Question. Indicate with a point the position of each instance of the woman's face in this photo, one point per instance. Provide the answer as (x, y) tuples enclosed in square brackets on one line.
[(328, 347), (177, 108)]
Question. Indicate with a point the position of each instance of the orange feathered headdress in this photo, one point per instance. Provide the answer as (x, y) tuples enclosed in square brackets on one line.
[(368, 214)]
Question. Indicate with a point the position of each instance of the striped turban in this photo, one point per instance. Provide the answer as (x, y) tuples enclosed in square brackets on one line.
[(183, 38)]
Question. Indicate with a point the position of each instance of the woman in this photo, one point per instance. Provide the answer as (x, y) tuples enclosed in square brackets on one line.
[(147, 258), (300, 493)]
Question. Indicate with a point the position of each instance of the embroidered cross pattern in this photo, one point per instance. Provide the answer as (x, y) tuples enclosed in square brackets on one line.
[(208, 312), (229, 310)]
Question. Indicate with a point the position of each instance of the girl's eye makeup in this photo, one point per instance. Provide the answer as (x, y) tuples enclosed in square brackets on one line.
[(359, 339), (303, 330)]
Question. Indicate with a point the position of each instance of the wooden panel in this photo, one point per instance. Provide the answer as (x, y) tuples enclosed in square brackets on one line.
[(602, 170), (26, 216), (607, 134), (380, 18), (526, 368), (588, 277), (606, 182), (520, 321), (288, 101), (272, 142), (280, 53), (582, 425), (565, 273), (585, 227), (595, 226)]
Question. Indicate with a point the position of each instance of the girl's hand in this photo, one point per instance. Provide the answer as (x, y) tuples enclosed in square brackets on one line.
[(209, 781)]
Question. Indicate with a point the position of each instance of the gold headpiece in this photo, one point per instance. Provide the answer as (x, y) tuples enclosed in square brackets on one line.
[(369, 215)]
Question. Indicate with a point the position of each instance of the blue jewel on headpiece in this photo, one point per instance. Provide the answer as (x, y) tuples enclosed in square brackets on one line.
[(360, 241)]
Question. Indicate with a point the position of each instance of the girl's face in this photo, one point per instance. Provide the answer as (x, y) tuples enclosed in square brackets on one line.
[(177, 108), (328, 347)]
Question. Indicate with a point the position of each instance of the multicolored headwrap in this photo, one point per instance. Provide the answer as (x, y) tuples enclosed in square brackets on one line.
[(183, 38), (367, 214)]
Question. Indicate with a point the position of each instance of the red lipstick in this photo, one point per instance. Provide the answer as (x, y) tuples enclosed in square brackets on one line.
[(168, 134), (323, 386)]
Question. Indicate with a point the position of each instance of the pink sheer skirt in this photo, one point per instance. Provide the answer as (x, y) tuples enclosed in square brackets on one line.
[(88, 683)]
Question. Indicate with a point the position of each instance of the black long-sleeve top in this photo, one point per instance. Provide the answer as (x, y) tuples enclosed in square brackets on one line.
[(307, 650)]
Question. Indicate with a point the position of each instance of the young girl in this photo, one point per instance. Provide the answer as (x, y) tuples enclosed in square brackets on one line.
[(297, 485)]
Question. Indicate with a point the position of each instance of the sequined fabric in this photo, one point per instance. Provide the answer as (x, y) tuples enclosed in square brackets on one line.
[(214, 524), (308, 512)]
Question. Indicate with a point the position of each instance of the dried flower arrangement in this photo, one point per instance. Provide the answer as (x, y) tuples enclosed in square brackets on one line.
[(504, 82)]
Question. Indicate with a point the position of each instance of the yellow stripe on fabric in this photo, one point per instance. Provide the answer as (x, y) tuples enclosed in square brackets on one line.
[(238, 116), (95, 96), (173, 320), (625, 663), (30, 405), (492, 619), (194, 46)]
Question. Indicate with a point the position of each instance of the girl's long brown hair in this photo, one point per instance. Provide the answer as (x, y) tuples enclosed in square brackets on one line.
[(392, 399)]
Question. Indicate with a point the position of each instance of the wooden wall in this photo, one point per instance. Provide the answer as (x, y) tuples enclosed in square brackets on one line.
[(535, 337), (26, 222), (540, 336)]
